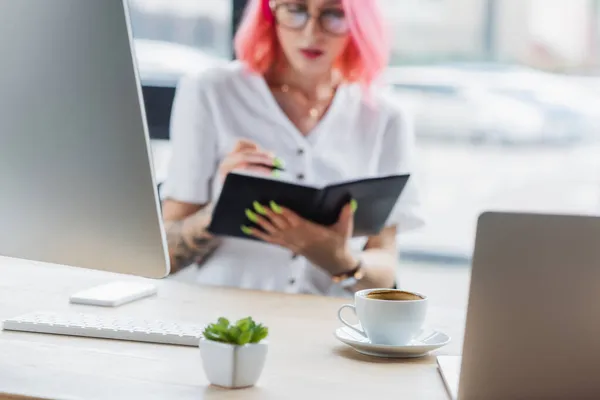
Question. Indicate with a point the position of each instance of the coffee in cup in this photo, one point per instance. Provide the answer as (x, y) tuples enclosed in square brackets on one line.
[(393, 295), (387, 316)]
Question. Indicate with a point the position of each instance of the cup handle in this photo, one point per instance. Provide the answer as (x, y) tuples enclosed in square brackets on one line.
[(346, 322)]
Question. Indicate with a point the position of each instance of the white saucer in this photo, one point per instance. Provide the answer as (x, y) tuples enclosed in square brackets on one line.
[(426, 341)]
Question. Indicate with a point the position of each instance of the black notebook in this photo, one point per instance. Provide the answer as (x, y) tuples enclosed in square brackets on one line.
[(376, 197)]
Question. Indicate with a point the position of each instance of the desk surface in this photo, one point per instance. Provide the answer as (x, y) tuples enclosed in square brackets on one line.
[(305, 360)]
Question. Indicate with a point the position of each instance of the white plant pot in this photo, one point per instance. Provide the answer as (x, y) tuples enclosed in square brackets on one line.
[(231, 366)]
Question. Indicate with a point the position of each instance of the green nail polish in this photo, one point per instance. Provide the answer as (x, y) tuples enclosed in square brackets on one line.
[(275, 207), (259, 209), (275, 173), (278, 162), (353, 205), (246, 230), (251, 216)]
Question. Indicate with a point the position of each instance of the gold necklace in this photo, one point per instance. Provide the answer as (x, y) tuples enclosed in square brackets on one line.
[(313, 112)]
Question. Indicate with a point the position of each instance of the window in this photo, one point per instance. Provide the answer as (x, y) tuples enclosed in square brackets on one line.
[(504, 96), (172, 38), (526, 135)]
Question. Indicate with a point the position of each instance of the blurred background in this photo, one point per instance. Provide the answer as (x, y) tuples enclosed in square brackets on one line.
[(505, 95)]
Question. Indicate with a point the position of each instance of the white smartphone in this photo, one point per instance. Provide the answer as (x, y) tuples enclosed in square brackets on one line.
[(114, 294)]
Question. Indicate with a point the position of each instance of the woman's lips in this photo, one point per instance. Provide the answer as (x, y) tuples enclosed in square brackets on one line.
[(311, 54)]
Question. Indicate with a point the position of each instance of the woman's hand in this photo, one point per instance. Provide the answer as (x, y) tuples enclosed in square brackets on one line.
[(325, 246), (248, 156)]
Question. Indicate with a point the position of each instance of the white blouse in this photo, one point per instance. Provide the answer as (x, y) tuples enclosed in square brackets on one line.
[(357, 137)]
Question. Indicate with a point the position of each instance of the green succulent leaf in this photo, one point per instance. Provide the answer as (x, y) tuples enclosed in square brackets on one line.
[(244, 331), (259, 333), (245, 324), (224, 322), (244, 338)]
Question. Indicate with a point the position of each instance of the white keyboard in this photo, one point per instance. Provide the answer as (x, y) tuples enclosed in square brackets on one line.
[(95, 326)]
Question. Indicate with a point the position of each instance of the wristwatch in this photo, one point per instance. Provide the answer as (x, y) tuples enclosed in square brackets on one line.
[(350, 278)]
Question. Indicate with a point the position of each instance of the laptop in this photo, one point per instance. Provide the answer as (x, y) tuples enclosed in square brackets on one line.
[(533, 319)]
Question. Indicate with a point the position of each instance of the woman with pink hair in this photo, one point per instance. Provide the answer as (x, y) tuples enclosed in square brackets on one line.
[(303, 92)]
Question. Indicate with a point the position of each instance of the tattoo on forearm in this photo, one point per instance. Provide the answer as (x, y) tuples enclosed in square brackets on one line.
[(189, 242)]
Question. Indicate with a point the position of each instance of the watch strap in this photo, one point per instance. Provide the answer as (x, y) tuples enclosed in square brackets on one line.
[(350, 278)]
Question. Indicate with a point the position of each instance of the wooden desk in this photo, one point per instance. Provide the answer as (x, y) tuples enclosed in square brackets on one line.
[(305, 360)]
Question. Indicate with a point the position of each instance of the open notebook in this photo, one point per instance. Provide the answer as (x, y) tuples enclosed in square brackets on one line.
[(449, 367), (375, 197)]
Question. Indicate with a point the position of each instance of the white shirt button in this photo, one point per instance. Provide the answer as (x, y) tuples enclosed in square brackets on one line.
[(300, 177)]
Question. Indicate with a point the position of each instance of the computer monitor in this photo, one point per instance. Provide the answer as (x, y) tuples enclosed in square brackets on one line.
[(76, 178)]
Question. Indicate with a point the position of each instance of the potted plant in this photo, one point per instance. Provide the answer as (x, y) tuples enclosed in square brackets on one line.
[(233, 355)]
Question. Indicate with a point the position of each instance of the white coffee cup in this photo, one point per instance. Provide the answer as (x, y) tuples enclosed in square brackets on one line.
[(387, 316)]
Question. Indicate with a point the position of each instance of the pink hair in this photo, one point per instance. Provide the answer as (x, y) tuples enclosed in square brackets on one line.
[(363, 60)]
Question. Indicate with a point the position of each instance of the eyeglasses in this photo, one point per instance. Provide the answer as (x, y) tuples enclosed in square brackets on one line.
[(295, 16)]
